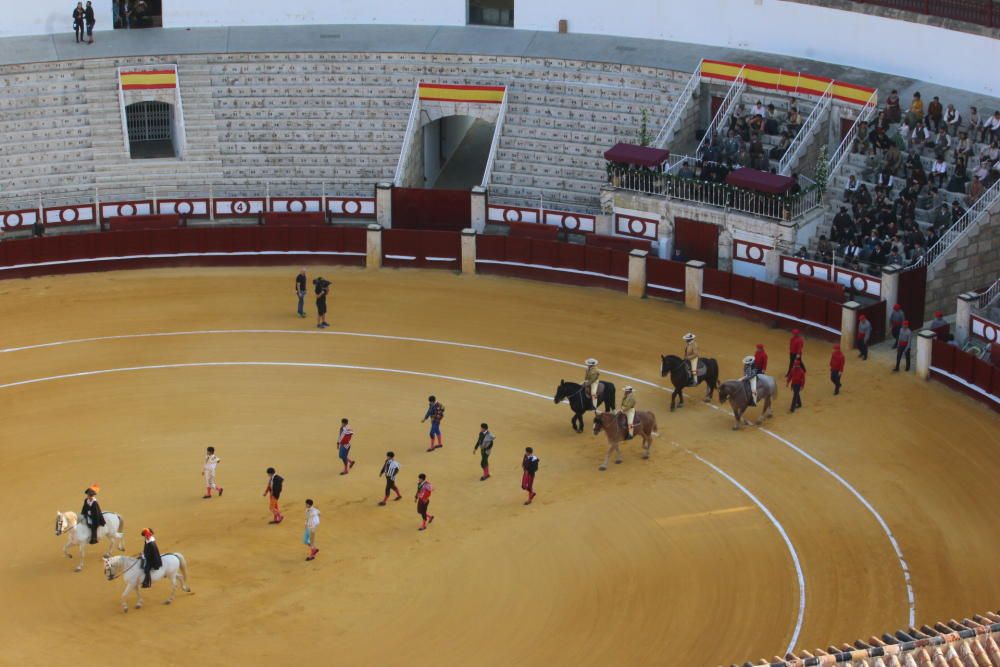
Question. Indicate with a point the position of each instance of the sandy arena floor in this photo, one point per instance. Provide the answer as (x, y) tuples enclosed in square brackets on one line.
[(660, 562)]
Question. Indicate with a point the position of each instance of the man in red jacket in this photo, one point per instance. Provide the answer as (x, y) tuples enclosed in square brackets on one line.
[(795, 348), (760, 359), (836, 368), (797, 379)]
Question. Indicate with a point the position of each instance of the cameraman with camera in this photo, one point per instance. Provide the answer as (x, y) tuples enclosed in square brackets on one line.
[(322, 287)]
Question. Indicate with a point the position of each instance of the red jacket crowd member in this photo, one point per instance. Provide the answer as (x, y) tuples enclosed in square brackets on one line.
[(836, 368), (529, 464), (797, 380), (423, 499), (796, 346), (760, 359)]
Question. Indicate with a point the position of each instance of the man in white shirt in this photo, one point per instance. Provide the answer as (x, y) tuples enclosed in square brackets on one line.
[(312, 525), (991, 128), (208, 470)]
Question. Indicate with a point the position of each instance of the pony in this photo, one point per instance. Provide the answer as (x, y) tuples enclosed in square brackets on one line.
[(79, 533), (130, 569), (580, 403), (615, 430), (735, 392), (708, 370)]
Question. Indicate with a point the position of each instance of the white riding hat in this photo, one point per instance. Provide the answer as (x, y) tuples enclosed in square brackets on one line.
[(689, 336), (628, 388), (747, 360), (591, 362)]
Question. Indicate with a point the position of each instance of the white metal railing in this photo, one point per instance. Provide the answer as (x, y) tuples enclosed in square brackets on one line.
[(411, 129), (806, 132), (721, 195), (666, 132), (731, 98), (495, 144), (978, 211), (989, 295), (543, 204), (839, 156)]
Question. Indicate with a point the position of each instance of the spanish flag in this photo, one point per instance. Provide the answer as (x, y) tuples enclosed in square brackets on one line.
[(149, 79), (439, 92)]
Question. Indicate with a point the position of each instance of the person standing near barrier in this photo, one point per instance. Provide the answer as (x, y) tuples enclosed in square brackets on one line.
[(529, 464), (896, 318), (275, 483), (79, 15), (390, 469), (423, 498), (863, 336), (796, 347), (89, 20), (797, 380), (837, 362), (435, 412), (485, 446), (904, 337), (760, 359), (344, 445), (300, 291)]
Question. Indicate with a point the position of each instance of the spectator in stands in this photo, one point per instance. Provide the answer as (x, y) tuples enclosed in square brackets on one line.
[(742, 129), (917, 253), (919, 137), (938, 171), (796, 186), (942, 142), (992, 154), (964, 147), (894, 257), (90, 20), (952, 119), (852, 250), (959, 177), (974, 124), (862, 142), (935, 114), (896, 319), (824, 250), (942, 218), (678, 255), (779, 151), (731, 145), (79, 16), (892, 109), (851, 189), (802, 253), (902, 346), (885, 180), (976, 191), (771, 126), (758, 114), (685, 171), (796, 378), (956, 211), (916, 113), (991, 128), (793, 122), (837, 362)]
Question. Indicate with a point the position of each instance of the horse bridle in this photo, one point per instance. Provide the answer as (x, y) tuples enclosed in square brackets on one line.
[(122, 573)]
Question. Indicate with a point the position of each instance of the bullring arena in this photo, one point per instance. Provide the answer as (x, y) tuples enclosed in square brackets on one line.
[(147, 311)]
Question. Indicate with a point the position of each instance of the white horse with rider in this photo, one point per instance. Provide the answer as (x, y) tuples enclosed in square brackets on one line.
[(79, 533), (130, 570)]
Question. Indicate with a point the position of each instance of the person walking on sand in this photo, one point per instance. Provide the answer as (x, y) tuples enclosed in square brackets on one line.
[(903, 341), (864, 335), (797, 379), (796, 348), (208, 472), (837, 362), (423, 498), (529, 466), (896, 318), (344, 445), (312, 525), (435, 412), (300, 291), (485, 446), (275, 482), (390, 469)]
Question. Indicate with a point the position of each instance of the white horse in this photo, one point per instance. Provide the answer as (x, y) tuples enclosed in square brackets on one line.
[(79, 533), (130, 569)]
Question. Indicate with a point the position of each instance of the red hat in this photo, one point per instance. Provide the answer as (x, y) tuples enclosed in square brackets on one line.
[(897, 307), (836, 346), (147, 532), (862, 317), (795, 332), (938, 313), (760, 346), (906, 323)]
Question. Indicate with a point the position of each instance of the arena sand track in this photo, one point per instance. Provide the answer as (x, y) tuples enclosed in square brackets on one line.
[(660, 562)]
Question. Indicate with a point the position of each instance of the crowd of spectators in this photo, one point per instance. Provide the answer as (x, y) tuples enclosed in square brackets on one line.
[(741, 143)]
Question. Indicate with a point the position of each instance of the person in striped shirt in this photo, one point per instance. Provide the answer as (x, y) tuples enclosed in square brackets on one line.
[(344, 445), (484, 445), (390, 469), (423, 499)]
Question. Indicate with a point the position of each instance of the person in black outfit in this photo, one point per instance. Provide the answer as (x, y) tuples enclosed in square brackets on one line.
[(322, 290), (300, 291), (92, 513), (150, 557), (79, 15), (88, 17)]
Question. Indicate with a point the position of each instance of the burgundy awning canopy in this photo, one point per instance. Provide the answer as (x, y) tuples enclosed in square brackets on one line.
[(761, 181), (640, 156)]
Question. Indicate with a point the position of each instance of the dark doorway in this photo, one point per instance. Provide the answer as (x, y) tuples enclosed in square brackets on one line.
[(150, 130), (697, 240), (137, 14), (456, 149), (492, 12)]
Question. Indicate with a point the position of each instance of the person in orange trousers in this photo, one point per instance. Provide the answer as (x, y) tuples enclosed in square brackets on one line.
[(836, 368), (275, 482)]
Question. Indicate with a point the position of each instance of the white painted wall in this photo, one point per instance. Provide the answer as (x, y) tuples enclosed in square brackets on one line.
[(196, 13)]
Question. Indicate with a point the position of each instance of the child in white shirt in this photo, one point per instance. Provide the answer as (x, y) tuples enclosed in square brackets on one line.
[(208, 470), (312, 524)]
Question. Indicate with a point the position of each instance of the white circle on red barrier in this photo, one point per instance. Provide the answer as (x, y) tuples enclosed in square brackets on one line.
[(352, 206), (184, 207), (63, 214), (756, 253), (296, 206), (512, 215), (571, 222), (636, 226), (805, 270), (241, 206), (855, 283), (127, 207), (990, 334), (12, 220)]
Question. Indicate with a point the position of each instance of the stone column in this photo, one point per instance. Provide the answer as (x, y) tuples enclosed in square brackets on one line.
[(848, 325), (469, 251), (603, 224), (890, 292), (637, 273), (479, 209), (373, 259), (925, 345), (772, 265), (694, 280), (963, 316), (383, 205)]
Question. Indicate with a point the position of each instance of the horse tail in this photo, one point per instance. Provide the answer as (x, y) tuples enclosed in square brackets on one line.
[(121, 525), (610, 403), (183, 566), (656, 428)]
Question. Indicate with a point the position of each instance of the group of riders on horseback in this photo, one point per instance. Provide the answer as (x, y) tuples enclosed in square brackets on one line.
[(94, 518)]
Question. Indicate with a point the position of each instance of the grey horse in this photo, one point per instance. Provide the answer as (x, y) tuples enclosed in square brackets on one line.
[(736, 393)]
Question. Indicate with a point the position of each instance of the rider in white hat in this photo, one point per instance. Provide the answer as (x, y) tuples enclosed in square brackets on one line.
[(592, 380), (750, 371), (691, 356), (628, 408)]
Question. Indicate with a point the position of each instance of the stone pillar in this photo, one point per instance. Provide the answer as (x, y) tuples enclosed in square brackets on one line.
[(469, 251), (848, 325), (373, 259), (694, 280), (925, 345), (479, 209), (890, 292), (963, 316), (637, 273), (383, 205), (772, 265), (603, 224)]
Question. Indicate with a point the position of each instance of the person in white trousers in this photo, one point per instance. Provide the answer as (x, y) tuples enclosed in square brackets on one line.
[(208, 470)]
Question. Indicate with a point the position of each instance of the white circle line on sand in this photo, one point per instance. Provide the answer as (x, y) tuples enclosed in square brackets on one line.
[(911, 600), (784, 536)]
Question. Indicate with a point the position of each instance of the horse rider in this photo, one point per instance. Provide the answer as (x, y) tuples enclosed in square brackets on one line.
[(628, 409), (691, 357), (150, 556), (750, 371), (592, 380), (91, 512)]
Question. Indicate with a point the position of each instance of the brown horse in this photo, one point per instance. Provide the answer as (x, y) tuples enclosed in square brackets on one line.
[(616, 431), (735, 392)]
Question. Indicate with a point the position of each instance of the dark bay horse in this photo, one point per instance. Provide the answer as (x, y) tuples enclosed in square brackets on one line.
[(580, 402), (708, 370), (616, 431)]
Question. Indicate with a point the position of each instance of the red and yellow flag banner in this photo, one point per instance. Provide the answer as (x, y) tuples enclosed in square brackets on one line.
[(148, 79), (785, 80), (439, 92)]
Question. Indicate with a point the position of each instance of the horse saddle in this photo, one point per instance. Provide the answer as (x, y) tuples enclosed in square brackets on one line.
[(623, 420), (698, 372), (600, 390)]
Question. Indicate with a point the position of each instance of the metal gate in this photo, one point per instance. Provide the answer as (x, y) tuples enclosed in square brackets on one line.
[(148, 121)]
